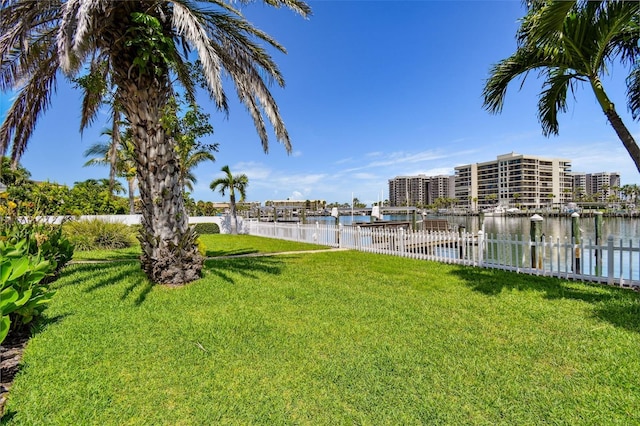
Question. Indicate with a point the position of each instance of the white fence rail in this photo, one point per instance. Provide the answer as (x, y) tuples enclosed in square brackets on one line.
[(613, 262)]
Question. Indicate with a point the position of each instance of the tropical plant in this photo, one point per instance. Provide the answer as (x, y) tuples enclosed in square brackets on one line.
[(22, 296), (96, 234), (570, 42), (93, 196), (124, 165), (186, 130), (231, 184), (142, 49)]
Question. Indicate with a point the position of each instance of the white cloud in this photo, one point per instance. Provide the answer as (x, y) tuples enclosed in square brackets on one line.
[(253, 170)]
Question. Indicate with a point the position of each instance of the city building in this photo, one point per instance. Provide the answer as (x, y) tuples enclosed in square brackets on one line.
[(514, 180), (595, 186), (420, 190)]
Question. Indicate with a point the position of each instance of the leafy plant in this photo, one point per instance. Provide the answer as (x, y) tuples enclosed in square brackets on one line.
[(41, 238), (23, 293)]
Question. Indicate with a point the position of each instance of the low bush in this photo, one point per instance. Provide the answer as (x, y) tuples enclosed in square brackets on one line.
[(23, 290), (41, 238), (96, 234), (207, 228)]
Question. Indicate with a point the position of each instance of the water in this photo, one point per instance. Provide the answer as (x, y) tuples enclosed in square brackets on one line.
[(558, 227), (625, 233)]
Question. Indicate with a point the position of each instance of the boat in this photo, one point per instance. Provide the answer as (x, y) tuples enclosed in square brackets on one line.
[(495, 211)]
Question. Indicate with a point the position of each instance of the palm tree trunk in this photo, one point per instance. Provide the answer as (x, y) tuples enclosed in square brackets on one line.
[(169, 251), (625, 136), (132, 187), (234, 217), (616, 122)]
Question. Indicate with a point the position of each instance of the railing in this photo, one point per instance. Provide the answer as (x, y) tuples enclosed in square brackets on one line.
[(614, 262)]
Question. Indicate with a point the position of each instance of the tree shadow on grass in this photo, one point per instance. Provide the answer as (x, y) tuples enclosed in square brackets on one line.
[(95, 276), (235, 252), (618, 306), (249, 267)]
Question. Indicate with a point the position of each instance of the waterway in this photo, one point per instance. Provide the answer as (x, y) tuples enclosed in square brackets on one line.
[(559, 227)]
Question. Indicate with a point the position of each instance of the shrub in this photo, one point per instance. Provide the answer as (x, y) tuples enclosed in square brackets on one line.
[(207, 228), (23, 292), (97, 234), (41, 238)]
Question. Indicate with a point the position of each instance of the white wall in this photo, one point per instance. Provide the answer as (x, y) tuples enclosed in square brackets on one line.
[(223, 222)]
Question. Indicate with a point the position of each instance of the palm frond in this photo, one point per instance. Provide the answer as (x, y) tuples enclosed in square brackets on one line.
[(68, 22), (297, 6), (32, 100), (189, 23), (523, 61), (553, 99), (633, 92), (95, 91), (544, 22)]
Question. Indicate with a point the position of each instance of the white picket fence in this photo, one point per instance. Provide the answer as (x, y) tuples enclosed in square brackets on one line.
[(612, 262)]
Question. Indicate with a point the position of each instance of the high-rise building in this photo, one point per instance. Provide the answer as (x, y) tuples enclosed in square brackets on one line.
[(596, 186), (420, 190), (514, 180)]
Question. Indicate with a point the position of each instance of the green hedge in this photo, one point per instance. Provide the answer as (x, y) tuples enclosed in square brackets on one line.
[(207, 228)]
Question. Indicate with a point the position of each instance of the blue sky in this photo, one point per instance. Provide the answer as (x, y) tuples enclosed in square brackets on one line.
[(375, 89)]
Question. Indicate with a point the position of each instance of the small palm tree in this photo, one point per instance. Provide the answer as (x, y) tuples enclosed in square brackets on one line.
[(569, 42), (188, 129), (232, 184), (124, 165)]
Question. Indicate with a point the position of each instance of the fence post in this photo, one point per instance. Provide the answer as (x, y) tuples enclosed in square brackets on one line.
[(610, 277), (480, 248), (339, 234), (461, 230), (535, 232), (575, 238), (598, 216)]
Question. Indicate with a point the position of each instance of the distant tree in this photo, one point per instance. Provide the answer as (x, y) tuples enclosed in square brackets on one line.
[(13, 174), (93, 196), (230, 183), (187, 129), (123, 164), (357, 204), (569, 42)]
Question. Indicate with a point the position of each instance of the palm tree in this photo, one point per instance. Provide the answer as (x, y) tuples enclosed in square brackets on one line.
[(124, 165), (191, 152), (143, 50), (232, 184), (570, 42)]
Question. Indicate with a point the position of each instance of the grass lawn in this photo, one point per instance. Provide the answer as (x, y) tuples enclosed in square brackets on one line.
[(330, 338), (216, 244)]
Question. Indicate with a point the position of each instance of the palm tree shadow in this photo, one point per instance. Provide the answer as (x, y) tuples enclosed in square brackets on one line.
[(249, 267), (95, 276), (236, 252), (620, 307)]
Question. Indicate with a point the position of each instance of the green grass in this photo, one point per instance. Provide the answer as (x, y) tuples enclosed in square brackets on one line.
[(330, 338), (216, 245)]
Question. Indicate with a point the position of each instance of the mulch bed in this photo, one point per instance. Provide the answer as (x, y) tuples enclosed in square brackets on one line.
[(10, 356)]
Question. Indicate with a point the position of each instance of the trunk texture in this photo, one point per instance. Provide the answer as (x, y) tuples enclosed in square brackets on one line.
[(625, 136), (170, 254), (234, 217), (132, 188), (616, 122), (169, 251)]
